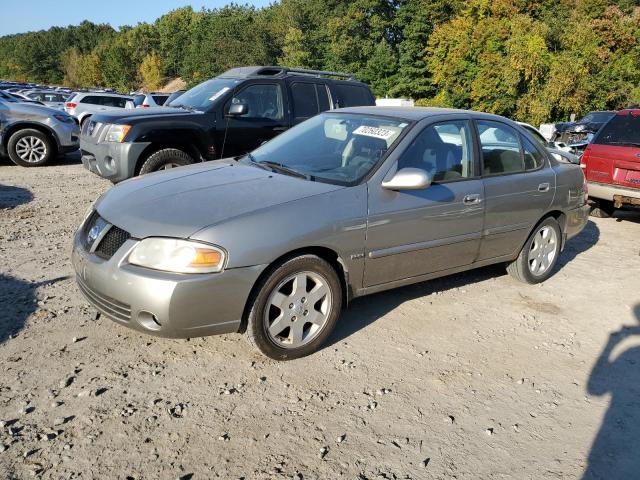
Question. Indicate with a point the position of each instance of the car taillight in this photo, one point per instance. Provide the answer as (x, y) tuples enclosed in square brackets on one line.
[(145, 106), (585, 157), (70, 105)]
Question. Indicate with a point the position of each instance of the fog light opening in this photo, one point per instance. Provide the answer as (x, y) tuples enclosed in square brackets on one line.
[(148, 320)]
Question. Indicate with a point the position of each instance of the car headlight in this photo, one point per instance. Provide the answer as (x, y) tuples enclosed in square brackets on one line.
[(179, 256), (63, 118), (116, 133)]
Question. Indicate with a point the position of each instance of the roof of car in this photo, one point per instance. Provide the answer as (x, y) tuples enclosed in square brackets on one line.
[(281, 72), (102, 94), (412, 113)]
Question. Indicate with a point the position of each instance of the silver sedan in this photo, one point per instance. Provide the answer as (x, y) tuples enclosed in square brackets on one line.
[(350, 202)]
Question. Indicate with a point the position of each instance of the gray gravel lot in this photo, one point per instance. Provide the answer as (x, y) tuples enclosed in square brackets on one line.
[(470, 376)]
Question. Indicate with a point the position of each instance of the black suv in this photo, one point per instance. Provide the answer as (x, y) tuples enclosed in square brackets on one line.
[(226, 116)]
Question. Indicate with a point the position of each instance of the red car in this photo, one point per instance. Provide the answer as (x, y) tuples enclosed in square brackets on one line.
[(611, 164)]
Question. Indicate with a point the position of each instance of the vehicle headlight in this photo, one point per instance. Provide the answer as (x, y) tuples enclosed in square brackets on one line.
[(116, 133), (179, 256), (63, 118)]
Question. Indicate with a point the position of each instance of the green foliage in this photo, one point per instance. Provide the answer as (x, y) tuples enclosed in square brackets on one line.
[(532, 60)]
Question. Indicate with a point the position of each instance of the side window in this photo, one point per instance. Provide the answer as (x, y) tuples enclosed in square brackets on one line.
[(91, 100), (262, 100), (305, 102), (500, 148), (533, 158), (444, 150), (352, 95), (138, 100)]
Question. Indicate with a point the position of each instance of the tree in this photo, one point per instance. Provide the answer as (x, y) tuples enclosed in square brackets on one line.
[(151, 72)]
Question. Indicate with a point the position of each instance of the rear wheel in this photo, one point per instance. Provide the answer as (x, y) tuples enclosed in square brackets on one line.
[(602, 209), (164, 160), (30, 148), (295, 308), (540, 253)]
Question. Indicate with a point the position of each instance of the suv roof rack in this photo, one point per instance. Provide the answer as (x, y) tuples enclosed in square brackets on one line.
[(274, 71)]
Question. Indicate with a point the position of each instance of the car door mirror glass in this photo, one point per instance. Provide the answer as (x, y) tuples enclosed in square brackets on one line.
[(408, 179), (238, 109)]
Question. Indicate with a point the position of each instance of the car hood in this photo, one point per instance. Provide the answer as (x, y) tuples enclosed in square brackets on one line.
[(131, 115), (32, 109), (182, 201)]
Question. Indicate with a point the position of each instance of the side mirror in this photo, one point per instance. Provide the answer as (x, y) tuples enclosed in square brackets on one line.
[(408, 179), (129, 105), (238, 109)]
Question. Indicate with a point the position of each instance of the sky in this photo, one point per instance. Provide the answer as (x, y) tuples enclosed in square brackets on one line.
[(17, 16)]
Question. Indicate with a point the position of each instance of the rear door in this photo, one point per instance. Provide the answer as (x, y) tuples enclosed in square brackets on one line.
[(308, 98), (614, 154), (519, 186)]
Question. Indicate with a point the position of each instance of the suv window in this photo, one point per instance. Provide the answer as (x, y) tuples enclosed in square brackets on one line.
[(444, 150), (138, 100), (264, 100), (351, 95), (500, 148), (160, 99), (533, 158), (309, 99), (622, 130), (117, 102), (91, 100)]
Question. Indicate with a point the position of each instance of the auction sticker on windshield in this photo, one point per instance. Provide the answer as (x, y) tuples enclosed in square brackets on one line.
[(219, 93), (376, 132)]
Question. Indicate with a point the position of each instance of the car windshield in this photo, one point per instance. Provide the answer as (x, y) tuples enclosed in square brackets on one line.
[(337, 148), (622, 130), (597, 117), (202, 96)]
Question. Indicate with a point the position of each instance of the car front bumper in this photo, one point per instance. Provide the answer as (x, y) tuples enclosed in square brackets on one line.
[(161, 303), (111, 160)]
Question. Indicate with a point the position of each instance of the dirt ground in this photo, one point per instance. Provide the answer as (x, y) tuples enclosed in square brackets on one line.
[(470, 376)]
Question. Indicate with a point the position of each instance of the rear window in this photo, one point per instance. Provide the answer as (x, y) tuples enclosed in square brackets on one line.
[(622, 130), (138, 100), (352, 95), (160, 99)]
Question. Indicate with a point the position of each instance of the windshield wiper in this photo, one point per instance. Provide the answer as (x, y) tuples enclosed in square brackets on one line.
[(279, 167), (626, 144)]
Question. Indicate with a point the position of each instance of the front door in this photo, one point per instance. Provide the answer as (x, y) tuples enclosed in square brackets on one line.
[(416, 232), (266, 117)]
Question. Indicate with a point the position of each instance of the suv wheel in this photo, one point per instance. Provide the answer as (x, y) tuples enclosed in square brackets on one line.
[(295, 308), (602, 209), (30, 148), (164, 160), (539, 255)]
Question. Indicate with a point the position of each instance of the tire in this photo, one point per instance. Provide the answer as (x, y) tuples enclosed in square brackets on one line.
[(529, 270), (84, 120), (165, 159), (288, 332), (602, 209), (30, 148)]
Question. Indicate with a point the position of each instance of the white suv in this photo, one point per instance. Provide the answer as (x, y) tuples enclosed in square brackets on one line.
[(85, 104)]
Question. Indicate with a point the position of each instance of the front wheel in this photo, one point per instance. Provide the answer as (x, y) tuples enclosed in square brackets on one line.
[(164, 160), (30, 148), (540, 253), (295, 308)]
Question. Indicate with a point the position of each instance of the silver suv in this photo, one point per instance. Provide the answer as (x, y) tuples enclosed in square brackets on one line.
[(85, 104), (32, 134)]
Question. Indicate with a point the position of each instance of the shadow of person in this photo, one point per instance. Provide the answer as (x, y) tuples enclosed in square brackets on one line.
[(17, 302), (11, 197), (615, 453)]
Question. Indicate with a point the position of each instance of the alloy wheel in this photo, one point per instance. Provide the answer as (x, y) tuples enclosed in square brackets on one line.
[(543, 251), (31, 149), (298, 309)]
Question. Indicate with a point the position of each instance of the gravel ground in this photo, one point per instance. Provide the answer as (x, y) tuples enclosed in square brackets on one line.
[(470, 376)]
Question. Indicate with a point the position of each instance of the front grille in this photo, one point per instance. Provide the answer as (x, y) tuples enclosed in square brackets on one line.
[(110, 307), (111, 242)]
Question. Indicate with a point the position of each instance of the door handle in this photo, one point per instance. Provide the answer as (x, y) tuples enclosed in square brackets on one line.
[(472, 199), (544, 187)]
